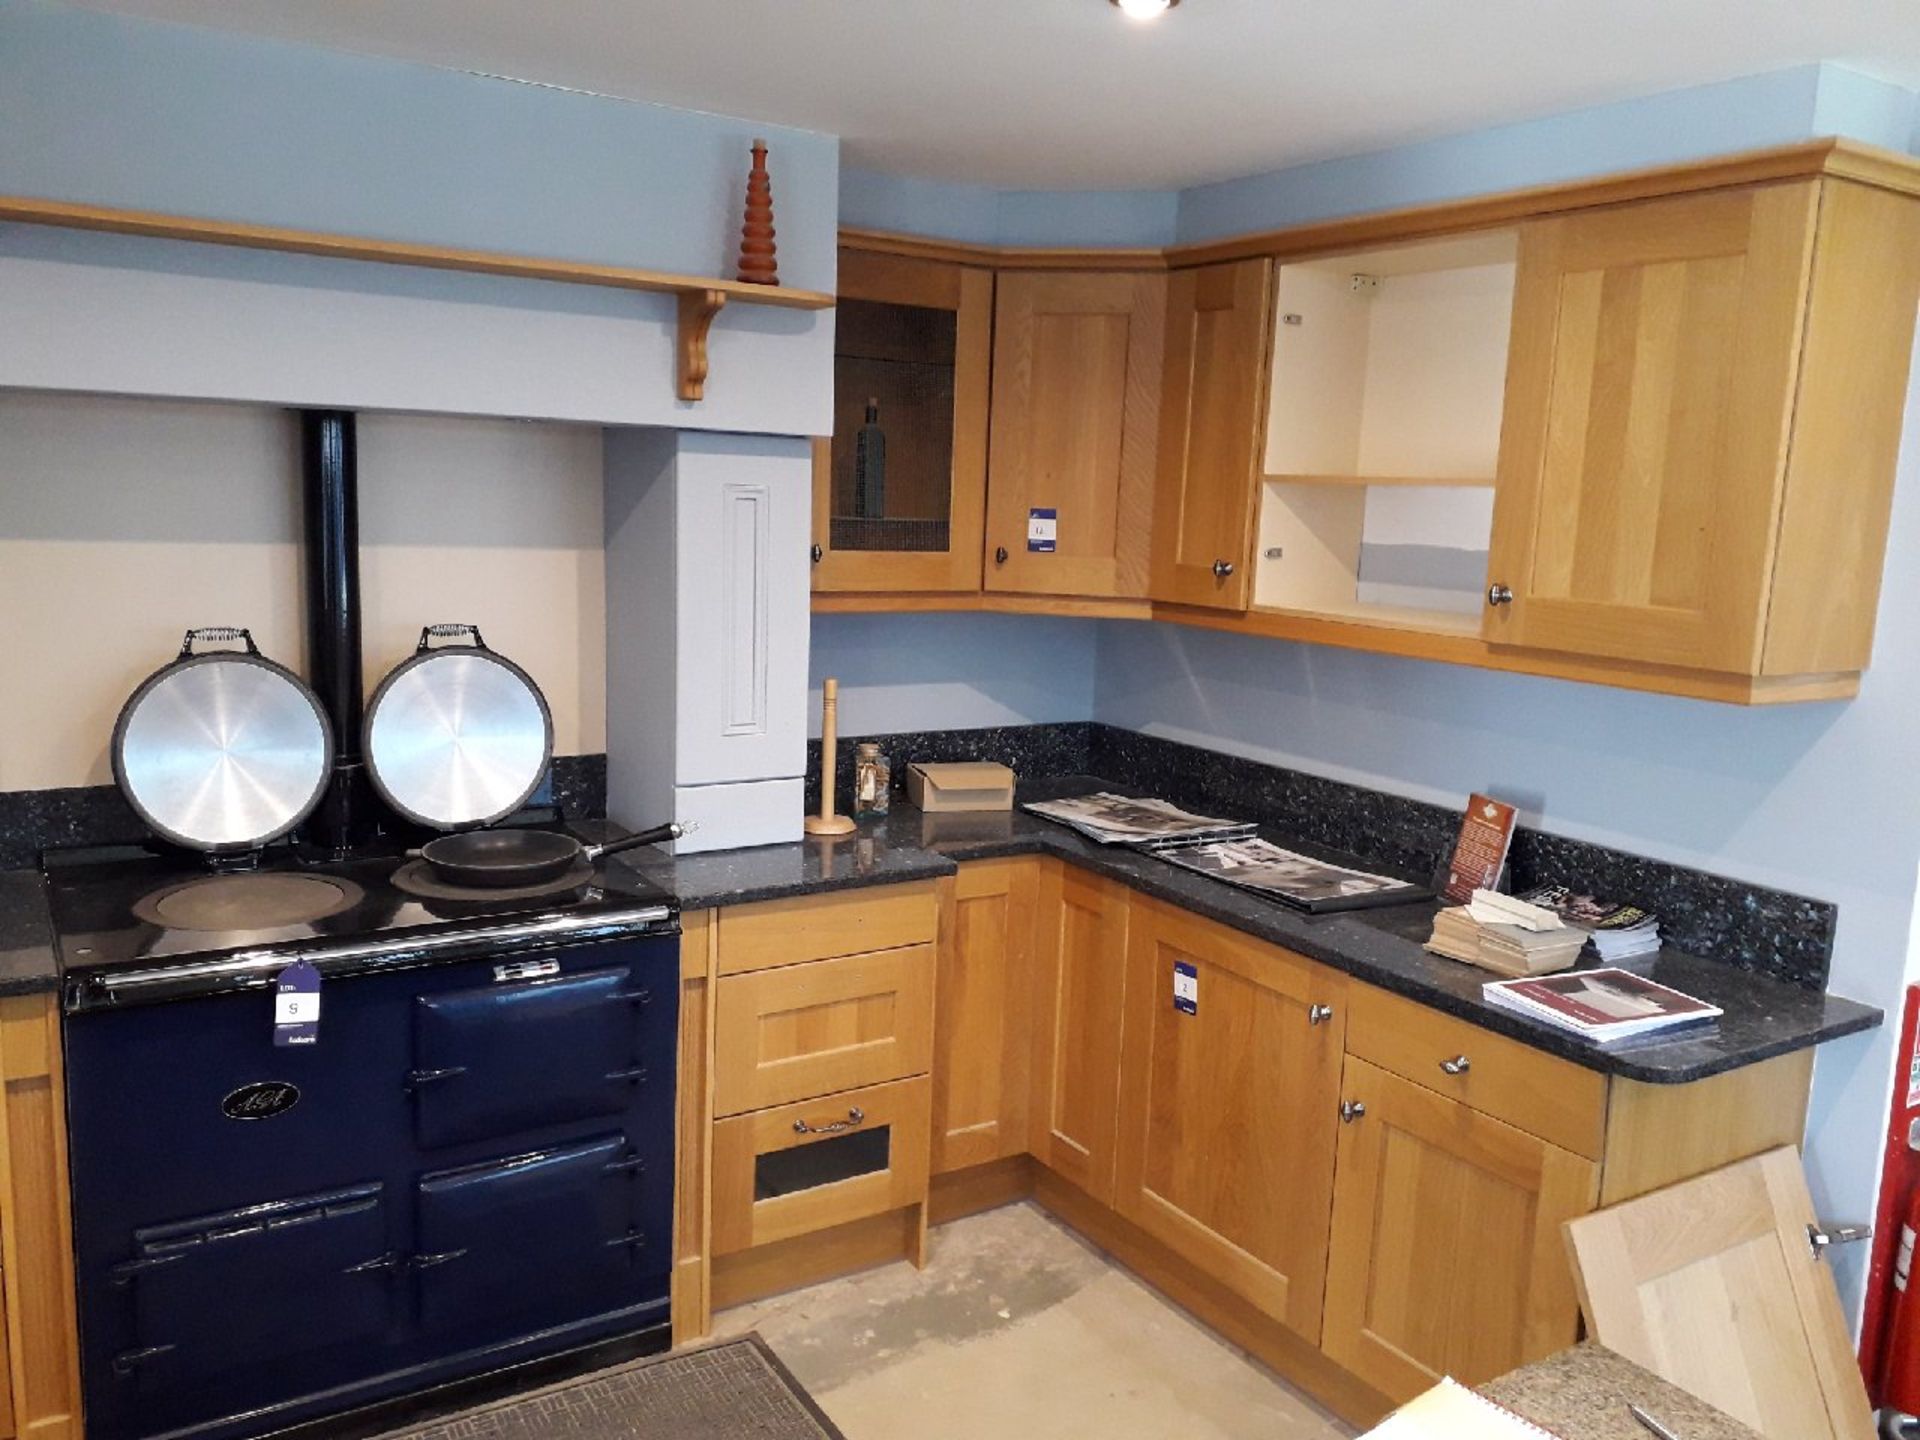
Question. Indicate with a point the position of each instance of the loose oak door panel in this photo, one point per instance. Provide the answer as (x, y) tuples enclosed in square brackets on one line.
[(1081, 970), (1076, 402), (1650, 388), (1712, 1284), (1212, 418), (807, 1030), (1229, 1109), (983, 1011), (1446, 1256)]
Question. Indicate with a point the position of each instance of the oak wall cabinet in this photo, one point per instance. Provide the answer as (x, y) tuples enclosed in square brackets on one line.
[(1639, 430), (1214, 383), (1076, 408), (1702, 409), (913, 339)]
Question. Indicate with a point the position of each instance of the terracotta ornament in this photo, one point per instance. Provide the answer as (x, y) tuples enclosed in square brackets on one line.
[(757, 263)]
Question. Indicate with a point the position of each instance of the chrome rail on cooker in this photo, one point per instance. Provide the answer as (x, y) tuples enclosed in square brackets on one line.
[(257, 968)]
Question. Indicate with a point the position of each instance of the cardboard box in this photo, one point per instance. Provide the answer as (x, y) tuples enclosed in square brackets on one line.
[(964, 785)]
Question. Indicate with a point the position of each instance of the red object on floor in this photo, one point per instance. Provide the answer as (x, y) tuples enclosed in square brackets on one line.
[(1890, 1328)]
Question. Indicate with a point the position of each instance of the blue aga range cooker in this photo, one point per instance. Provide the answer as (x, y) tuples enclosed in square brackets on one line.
[(471, 1166)]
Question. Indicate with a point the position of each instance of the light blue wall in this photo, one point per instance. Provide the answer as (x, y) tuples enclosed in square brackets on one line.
[(952, 672), (875, 201), (102, 108), (1770, 109)]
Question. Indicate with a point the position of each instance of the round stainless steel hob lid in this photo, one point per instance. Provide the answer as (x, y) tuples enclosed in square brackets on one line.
[(223, 750), (457, 735)]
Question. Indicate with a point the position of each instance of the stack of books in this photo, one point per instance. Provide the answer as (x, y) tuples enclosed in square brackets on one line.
[(1608, 1007), (1615, 932), (1507, 936)]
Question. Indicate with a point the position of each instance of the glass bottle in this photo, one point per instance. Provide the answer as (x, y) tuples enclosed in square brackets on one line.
[(872, 780), (870, 466)]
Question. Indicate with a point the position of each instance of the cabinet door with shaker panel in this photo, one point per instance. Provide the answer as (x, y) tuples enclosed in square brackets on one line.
[(900, 489)]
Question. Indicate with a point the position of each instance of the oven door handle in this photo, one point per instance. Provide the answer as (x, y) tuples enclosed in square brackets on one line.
[(126, 1270), (417, 1078)]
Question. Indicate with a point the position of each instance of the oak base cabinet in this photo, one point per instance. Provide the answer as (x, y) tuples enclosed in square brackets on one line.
[(982, 1009), (39, 1339), (1228, 1106), (1081, 970), (1447, 1256)]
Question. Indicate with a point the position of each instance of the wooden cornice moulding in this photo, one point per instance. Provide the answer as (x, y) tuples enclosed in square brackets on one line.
[(1843, 159), (1001, 257), (700, 297)]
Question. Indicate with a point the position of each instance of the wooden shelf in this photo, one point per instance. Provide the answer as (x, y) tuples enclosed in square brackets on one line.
[(700, 298), (1481, 482)]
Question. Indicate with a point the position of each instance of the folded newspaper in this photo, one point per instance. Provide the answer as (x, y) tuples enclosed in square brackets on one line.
[(1129, 820)]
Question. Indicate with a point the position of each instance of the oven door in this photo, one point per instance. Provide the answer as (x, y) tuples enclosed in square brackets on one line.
[(499, 1060), (520, 1243), (251, 1300)]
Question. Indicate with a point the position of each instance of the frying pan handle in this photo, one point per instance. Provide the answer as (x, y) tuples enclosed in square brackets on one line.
[(431, 633), (221, 633), (672, 830)]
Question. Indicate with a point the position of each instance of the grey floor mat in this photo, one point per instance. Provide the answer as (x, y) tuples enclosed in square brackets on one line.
[(719, 1392)]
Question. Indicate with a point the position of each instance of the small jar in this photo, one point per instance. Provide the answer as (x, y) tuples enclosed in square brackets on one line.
[(872, 780)]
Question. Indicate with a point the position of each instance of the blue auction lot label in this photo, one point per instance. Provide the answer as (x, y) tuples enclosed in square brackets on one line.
[(1186, 988), (296, 1005), (1043, 530)]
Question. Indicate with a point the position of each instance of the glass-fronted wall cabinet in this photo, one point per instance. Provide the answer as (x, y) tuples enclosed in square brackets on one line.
[(899, 490)]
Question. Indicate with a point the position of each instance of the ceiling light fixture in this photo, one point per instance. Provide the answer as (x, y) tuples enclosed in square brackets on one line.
[(1144, 9)]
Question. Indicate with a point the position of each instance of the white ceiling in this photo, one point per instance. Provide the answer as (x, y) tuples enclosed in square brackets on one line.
[(1068, 94)]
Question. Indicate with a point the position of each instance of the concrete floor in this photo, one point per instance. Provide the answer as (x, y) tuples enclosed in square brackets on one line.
[(1018, 1328)]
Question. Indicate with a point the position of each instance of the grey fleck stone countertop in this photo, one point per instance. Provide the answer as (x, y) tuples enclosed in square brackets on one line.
[(1583, 1394), (27, 962), (1764, 1017)]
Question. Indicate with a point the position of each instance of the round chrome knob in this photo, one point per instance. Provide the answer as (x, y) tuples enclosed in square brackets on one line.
[(1352, 1110), (1000, 555), (1498, 594), (1222, 569), (1458, 1065), (818, 554)]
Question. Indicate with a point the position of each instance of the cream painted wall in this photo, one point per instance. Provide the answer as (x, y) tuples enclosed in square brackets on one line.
[(124, 522)]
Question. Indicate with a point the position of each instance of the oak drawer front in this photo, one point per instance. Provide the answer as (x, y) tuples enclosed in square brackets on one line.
[(1554, 1099), (846, 922), (800, 1168), (829, 1025)]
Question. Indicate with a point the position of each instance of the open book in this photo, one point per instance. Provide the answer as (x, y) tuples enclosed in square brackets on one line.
[(1450, 1411)]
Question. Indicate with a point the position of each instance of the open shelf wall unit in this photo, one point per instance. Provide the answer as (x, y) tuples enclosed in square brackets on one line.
[(1383, 432)]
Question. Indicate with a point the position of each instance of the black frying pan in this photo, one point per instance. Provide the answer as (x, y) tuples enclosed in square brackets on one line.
[(499, 859)]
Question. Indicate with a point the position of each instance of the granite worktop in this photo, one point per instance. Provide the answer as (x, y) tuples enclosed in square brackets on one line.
[(27, 962), (1383, 946), (1583, 1394)]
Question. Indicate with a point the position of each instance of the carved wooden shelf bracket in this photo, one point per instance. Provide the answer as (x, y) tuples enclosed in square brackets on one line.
[(697, 309)]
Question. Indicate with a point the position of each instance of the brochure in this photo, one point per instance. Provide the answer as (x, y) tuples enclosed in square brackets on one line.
[(1315, 886), (1604, 1006)]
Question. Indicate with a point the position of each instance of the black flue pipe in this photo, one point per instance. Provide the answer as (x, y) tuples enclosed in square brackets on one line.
[(346, 818)]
